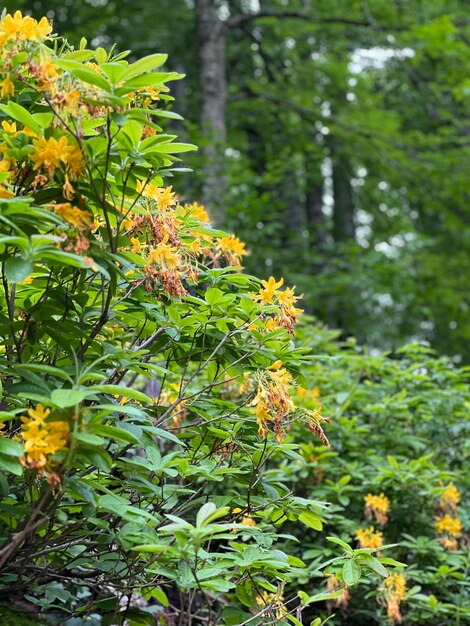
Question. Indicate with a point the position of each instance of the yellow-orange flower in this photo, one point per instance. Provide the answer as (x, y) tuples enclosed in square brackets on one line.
[(78, 217), (450, 497), (379, 506), (9, 127), (169, 396), (270, 294), (50, 153), (197, 211), (163, 196), (42, 438), (269, 291), (246, 520), (6, 193), (333, 584), (273, 402), (392, 594), (8, 89), (46, 72), (165, 254), (449, 524), (232, 249), (369, 538), (169, 265), (19, 28)]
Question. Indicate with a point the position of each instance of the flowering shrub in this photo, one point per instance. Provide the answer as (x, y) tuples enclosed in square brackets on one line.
[(396, 473), (148, 384)]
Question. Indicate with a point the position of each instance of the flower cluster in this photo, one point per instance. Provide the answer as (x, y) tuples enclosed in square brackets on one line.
[(370, 538), (392, 594), (18, 28), (378, 506), (42, 438), (273, 402), (246, 518), (448, 524), (287, 312), (232, 249), (170, 396), (272, 605)]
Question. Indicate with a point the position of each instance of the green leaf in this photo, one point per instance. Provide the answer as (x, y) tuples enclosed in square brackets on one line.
[(125, 392), (117, 434), (388, 561), (351, 572), (11, 465), (321, 597), (205, 511), (11, 448), (18, 269), (341, 543), (151, 548), (64, 398), (374, 564), (174, 148), (23, 116), (146, 64), (311, 519), (84, 74), (101, 55), (89, 439)]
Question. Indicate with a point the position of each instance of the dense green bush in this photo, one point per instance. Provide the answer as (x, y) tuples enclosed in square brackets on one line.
[(400, 430), (162, 452)]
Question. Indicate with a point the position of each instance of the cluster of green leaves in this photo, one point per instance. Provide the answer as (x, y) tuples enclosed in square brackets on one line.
[(401, 429)]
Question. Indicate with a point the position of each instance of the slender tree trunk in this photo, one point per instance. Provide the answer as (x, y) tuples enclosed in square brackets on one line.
[(343, 213), (316, 219), (212, 48)]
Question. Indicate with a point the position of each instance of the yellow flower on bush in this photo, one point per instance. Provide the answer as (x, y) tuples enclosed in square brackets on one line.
[(42, 438), (246, 520), (269, 291), (378, 506), (392, 594), (270, 294), (8, 89), (271, 603), (448, 524), (333, 584), (165, 264), (18, 28), (50, 153), (163, 196), (197, 211), (273, 401), (369, 538), (78, 217), (450, 497), (232, 249)]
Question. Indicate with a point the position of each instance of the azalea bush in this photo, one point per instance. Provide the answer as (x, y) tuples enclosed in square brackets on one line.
[(396, 473), (148, 384)]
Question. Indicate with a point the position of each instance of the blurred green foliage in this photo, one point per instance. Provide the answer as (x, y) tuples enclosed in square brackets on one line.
[(347, 147)]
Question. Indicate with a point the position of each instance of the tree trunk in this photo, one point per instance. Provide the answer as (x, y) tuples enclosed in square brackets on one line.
[(343, 213), (316, 219), (212, 46)]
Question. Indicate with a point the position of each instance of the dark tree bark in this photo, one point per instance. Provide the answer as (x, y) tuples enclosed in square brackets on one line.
[(343, 212), (212, 48), (316, 219)]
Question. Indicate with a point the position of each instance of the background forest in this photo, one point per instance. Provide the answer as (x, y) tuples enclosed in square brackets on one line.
[(335, 137)]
